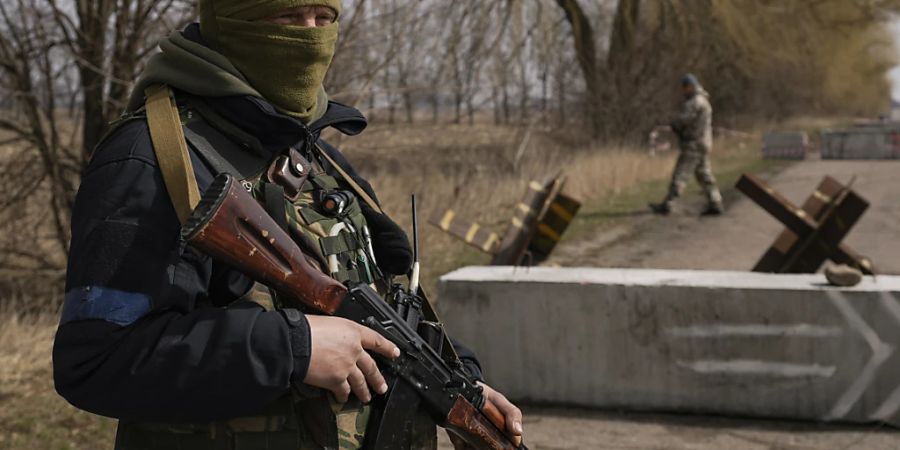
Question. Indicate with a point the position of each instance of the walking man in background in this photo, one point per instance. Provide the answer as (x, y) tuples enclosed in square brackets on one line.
[(693, 126)]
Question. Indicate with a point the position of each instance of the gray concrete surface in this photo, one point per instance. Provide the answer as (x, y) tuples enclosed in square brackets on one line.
[(736, 240), (785, 145), (556, 428), (684, 341), (872, 141)]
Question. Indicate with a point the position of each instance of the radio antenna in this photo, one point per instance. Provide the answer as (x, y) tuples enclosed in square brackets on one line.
[(414, 277)]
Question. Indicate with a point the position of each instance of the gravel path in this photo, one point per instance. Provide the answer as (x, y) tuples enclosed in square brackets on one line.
[(736, 240), (570, 429)]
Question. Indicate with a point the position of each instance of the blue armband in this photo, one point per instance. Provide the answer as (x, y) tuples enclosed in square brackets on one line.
[(99, 303)]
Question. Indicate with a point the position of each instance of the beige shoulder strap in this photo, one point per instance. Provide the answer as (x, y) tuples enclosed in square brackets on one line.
[(171, 150), (356, 187)]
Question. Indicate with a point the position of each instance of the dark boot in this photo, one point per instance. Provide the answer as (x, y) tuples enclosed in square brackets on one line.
[(714, 209), (663, 209)]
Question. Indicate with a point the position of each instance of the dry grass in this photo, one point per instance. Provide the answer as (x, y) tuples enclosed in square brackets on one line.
[(32, 416), (30, 256), (482, 172)]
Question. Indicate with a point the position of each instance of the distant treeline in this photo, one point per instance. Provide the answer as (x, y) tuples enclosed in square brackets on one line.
[(614, 65), (602, 68)]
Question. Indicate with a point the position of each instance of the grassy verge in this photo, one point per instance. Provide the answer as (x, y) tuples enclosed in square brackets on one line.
[(32, 415), (483, 180), (604, 213)]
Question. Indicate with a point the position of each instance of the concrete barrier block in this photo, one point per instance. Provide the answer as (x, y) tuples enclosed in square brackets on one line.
[(785, 145), (734, 343), (873, 142)]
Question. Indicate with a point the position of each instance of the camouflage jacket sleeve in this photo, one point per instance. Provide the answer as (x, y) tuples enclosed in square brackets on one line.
[(691, 122)]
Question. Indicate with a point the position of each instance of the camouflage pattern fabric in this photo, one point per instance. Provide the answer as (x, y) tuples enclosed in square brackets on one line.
[(693, 125), (694, 160), (352, 420)]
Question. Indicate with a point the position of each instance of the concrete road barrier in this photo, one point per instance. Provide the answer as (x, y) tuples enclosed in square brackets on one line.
[(734, 343), (785, 145), (875, 141)]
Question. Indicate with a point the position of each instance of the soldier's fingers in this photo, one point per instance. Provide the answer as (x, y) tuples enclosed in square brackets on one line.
[(342, 392), (513, 417), (377, 343), (511, 412), (373, 376), (358, 385)]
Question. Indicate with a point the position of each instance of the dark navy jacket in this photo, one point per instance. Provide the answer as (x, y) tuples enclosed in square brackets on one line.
[(150, 330)]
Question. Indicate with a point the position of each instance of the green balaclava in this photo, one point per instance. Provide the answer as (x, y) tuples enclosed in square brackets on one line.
[(286, 64)]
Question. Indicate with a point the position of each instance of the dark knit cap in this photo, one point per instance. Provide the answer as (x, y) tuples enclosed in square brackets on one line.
[(689, 80)]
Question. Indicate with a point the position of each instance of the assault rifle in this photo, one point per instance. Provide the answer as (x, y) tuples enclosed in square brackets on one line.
[(230, 226)]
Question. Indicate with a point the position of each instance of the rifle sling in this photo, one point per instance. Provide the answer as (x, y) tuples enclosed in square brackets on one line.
[(275, 204), (219, 152), (171, 150), (353, 184)]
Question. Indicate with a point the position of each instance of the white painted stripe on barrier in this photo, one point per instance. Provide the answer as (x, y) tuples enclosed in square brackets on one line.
[(757, 367), (754, 330), (889, 407), (891, 404), (880, 353)]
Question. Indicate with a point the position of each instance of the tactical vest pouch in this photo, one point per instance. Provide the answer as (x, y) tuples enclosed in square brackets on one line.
[(342, 243), (290, 172), (353, 184), (331, 425)]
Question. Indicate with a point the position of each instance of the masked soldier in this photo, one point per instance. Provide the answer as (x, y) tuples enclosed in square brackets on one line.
[(693, 126), (185, 351)]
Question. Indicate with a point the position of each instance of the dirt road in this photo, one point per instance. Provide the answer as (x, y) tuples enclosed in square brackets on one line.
[(731, 242), (736, 240), (570, 429)]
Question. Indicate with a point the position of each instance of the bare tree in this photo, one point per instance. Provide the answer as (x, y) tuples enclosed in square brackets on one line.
[(108, 40), (586, 53), (64, 86)]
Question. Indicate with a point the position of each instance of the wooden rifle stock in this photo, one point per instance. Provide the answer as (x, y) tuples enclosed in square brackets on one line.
[(485, 426), (231, 227)]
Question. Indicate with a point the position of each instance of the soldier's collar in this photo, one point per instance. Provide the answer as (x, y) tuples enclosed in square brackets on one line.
[(276, 130)]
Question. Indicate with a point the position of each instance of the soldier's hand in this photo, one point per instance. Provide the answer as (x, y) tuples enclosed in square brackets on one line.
[(339, 361), (512, 414)]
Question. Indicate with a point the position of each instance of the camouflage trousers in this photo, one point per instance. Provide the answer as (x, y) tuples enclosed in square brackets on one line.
[(694, 160)]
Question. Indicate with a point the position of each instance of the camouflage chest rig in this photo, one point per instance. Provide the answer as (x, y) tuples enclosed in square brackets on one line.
[(325, 220)]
